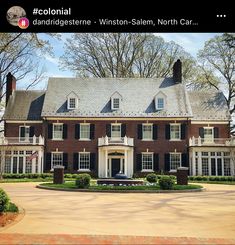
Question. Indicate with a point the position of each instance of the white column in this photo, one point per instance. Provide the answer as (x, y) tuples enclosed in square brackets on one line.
[(193, 162), (33, 166), (106, 162), (222, 161), (199, 163), (209, 165), (24, 164), (125, 162), (40, 161)]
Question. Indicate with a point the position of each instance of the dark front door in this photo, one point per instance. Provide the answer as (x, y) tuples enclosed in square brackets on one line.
[(115, 166)]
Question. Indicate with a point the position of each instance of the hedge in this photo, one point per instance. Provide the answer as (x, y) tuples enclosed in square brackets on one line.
[(211, 178)]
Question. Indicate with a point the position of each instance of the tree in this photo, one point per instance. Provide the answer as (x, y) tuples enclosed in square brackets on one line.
[(18, 52), (217, 68), (123, 55), (229, 38)]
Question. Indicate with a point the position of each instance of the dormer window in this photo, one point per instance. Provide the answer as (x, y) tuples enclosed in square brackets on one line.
[(160, 103), (115, 103), (72, 101), (116, 99)]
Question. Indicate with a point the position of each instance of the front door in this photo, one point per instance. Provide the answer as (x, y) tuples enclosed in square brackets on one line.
[(115, 166)]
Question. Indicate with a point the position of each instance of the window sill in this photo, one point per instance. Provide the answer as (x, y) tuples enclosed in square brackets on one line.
[(147, 140), (57, 139), (147, 170), (84, 170), (84, 140), (173, 171), (175, 140)]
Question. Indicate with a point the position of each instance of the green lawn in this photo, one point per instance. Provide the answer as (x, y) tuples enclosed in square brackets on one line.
[(71, 185)]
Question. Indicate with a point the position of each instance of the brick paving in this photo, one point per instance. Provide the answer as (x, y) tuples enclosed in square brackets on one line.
[(96, 239)]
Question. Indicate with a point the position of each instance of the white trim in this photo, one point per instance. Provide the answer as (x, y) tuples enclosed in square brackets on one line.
[(175, 153), (116, 118), (209, 122), (85, 169), (54, 152), (68, 103), (84, 139), (112, 103), (9, 121), (147, 124), (25, 139), (212, 138), (143, 169), (53, 131), (175, 124), (116, 124)]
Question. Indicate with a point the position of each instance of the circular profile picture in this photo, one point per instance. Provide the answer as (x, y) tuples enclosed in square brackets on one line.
[(14, 14)]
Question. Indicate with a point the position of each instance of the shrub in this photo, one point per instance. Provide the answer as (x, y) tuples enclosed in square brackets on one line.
[(70, 176), (151, 178), (74, 176), (11, 207), (166, 183), (4, 200), (83, 181)]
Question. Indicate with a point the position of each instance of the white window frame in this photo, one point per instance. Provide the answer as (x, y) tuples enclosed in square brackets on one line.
[(116, 124), (175, 153), (208, 140), (80, 133), (56, 152), (84, 169), (68, 103), (142, 156), (25, 138), (113, 103), (56, 124), (175, 124), (160, 108), (147, 124)]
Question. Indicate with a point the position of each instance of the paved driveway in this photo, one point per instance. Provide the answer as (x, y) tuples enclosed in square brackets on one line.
[(204, 214)]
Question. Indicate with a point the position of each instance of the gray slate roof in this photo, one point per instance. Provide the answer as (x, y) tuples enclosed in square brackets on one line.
[(94, 100), (25, 105), (94, 97), (208, 105)]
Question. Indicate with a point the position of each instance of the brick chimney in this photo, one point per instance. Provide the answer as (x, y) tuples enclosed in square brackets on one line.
[(177, 71), (10, 86)]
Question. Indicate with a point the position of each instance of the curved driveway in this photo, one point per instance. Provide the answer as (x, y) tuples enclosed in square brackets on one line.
[(208, 214)]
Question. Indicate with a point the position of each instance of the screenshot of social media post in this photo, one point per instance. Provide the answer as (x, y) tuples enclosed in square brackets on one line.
[(117, 123)]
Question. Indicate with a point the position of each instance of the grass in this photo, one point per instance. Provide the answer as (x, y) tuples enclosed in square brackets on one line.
[(71, 185), (33, 180)]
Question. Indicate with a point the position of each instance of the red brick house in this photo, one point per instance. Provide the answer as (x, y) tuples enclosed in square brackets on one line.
[(106, 125)]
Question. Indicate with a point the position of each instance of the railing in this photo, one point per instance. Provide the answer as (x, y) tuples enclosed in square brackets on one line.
[(126, 141), (22, 141), (211, 142)]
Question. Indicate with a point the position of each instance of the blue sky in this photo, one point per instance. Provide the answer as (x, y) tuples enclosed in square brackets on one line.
[(191, 42)]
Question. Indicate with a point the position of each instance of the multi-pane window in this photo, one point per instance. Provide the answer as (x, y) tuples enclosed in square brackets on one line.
[(84, 161), (115, 130), (160, 103), (28, 166), (24, 133), (57, 131), (175, 131), (84, 131), (205, 166), (147, 131), (147, 161), (227, 170), (57, 159), (175, 161), (7, 166), (116, 103), (208, 135), (72, 103)]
